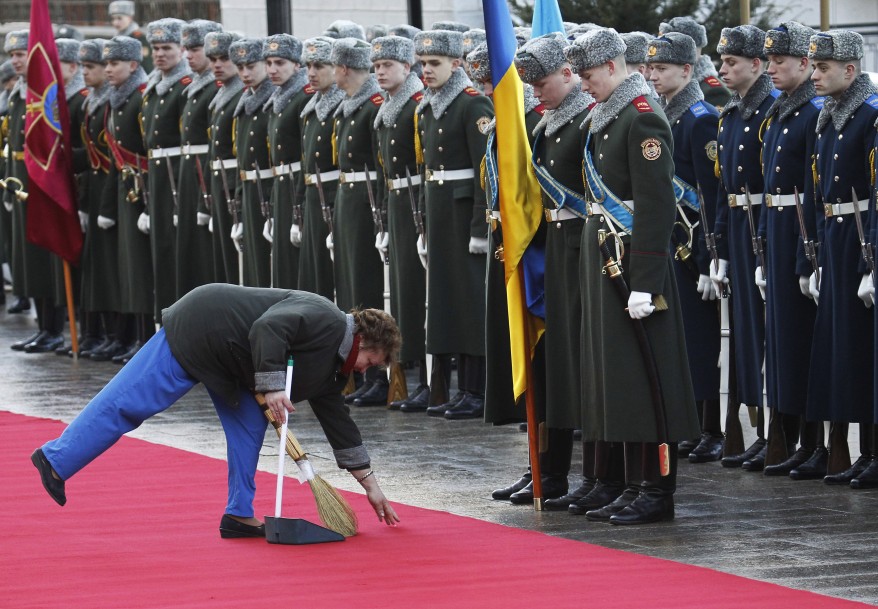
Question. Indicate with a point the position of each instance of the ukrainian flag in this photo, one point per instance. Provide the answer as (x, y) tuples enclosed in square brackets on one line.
[(521, 208), (547, 18)]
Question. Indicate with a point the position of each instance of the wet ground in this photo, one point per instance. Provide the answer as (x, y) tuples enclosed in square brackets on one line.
[(799, 534)]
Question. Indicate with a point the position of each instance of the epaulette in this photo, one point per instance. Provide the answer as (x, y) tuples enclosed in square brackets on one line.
[(377, 99), (872, 100), (818, 102), (540, 109), (137, 34), (472, 92), (418, 96), (641, 104), (697, 109), (309, 90), (186, 80), (713, 81)]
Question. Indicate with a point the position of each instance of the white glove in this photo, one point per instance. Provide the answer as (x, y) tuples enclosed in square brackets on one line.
[(422, 251), (866, 291), (760, 282), (640, 305), (7, 205), (295, 235), (83, 221), (804, 282), (238, 236), (382, 241), (705, 288), (210, 224), (719, 275), (814, 286), (202, 219), (478, 245), (105, 222), (143, 224), (268, 230), (176, 220), (330, 246)]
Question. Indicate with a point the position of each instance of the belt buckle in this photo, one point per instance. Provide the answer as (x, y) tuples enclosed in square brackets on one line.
[(243, 175), (733, 200), (768, 201), (548, 214), (827, 210), (309, 179), (341, 177), (428, 174)]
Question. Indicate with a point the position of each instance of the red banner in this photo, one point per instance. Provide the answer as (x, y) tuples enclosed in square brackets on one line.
[(52, 219)]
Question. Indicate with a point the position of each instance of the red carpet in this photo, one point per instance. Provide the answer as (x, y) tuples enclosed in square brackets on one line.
[(140, 530)]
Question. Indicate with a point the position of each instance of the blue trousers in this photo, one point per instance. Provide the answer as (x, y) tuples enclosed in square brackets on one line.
[(149, 384)]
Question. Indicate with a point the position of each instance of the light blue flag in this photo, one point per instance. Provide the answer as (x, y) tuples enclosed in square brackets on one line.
[(547, 18)]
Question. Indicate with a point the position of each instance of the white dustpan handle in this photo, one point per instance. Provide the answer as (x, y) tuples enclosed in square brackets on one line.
[(280, 464)]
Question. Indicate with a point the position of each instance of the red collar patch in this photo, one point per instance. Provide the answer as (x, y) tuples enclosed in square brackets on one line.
[(83, 92), (418, 96), (713, 82), (472, 92), (641, 104), (309, 90), (541, 109), (377, 99), (186, 80), (142, 87)]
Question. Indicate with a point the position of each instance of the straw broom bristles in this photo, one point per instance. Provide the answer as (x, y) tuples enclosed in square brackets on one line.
[(332, 508)]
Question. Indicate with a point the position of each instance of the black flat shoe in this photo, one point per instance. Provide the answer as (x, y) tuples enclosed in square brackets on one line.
[(22, 304), (418, 401), (709, 448), (46, 344), (53, 486), (376, 396), (232, 529), (503, 494), (845, 477), (19, 345), (738, 460), (814, 468), (553, 487), (561, 504)]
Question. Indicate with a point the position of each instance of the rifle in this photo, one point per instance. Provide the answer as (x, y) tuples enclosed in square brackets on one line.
[(839, 451), (205, 195), (377, 220), (810, 248), (416, 213), (264, 206), (324, 206), (173, 183), (139, 186), (755, 239), (231, 203), (709, 238), (298, 218), (865, 246)]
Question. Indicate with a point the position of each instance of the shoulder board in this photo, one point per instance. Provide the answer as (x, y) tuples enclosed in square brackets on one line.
[(775, 93), (698, 108), (472, 92), (818, 102), (641, 104), (186, 80), (540, 109), (136, 34), (377, 99), (713, 81), (83, 92), (142, 87), (309, 90), (418, 96), (872, 100)]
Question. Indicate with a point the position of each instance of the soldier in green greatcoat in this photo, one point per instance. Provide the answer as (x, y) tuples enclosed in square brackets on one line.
[(453, 120), (283, 58), (629, 177), (392, 58), (315, 261), (163, 102), (8, 78), (224, 212), (194, 250), (705, 74), (254, 167), (121, 14)]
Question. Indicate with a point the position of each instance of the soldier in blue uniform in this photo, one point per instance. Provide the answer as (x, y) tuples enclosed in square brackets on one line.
[(694, 123), (741, 123), (703, 71), (841, 379), (788, 145)]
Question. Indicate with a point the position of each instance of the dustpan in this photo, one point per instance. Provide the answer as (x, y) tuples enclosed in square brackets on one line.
[(292, 531)]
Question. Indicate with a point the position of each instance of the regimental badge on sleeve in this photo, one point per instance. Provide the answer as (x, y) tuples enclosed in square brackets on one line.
[(483, 124), (710, 148), (651, 148)]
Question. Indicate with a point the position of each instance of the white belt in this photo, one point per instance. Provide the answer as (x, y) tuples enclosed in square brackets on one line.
[(741, 200), (194, 148), (594, 209), (559, 215), (224, 164), (780, 200), (160, 153), (251, 176), (356, 176), (287, 169), (440, 175), (326, 176), (403, 182), (843, 209)]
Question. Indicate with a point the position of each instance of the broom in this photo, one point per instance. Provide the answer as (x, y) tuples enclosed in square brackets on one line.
[(332, 508)]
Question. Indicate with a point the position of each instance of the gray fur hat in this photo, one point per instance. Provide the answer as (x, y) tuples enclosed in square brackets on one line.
[(393, 47), (581, 28), (522, 34), (121, 7), (351, 52), (317, 50), (569, 26), (343, 28), (447, 43), (92, 51), (16, 40), (216, 44), (68, 50), (594, 48), (742, 41), (6, 71), (404, 30), (165, 30), (837, 45), (246, 50), (479, 63), (541, 56), (376, 30), (284, 46), (123, 48), (790, 38), (688, 26), (635, 46), (454, 26), (68, 31), (194, 32), (672, 47), (473, 38)]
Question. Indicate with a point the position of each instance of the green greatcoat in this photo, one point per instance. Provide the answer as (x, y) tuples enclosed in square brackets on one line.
[(455, 212), (163, 103), (315, 264), (288, 191), (408, 280), (225, 255), (633, 154), (715, 92), (359, 267), (194, 254), (5, 170), (251, 147)]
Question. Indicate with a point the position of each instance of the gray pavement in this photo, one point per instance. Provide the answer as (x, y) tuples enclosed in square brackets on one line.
[(803, 535)]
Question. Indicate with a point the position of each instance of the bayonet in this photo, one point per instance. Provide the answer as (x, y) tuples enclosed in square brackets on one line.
[(324, 206), (709, 238), (264, 206), (376, 212), (755, 239), (173, 182), (810, 248), (865, 246), (205, 194), (231, 203)]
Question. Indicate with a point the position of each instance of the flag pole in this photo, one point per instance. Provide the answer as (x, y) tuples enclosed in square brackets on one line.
[(533, 426), (71, 313)]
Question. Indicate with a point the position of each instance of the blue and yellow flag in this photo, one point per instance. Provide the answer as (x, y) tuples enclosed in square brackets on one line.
[(547, 18), (521, 208)]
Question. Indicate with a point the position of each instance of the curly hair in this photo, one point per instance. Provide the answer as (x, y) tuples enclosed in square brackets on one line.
[(378, 331)]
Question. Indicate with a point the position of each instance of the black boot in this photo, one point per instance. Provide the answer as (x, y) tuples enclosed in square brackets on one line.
[(655, 500), (795, 459), (814, 468), (562, 503), (738, 460), (845, 477), (45, 344), (503, 494), (603, 513), (124, 358), (472, 406), (553, 487), (653, 504), (710, 448), (439, 409), (686, 446), (418, 400), (602, 494), (757, 462), (868, 478), (362, 386), (20, 305), (376, 395)]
